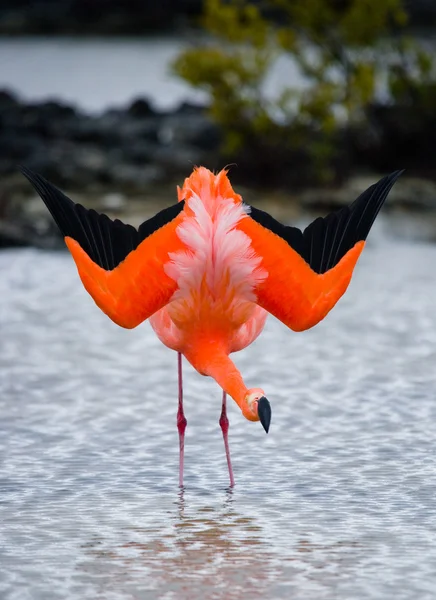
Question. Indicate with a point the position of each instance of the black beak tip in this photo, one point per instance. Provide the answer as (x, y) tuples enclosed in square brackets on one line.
[(264, 412)]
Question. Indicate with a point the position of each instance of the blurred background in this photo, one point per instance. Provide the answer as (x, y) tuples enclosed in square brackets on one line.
[(308, 101)]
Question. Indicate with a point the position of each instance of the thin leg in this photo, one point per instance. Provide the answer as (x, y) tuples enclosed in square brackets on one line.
[(181, 421), (224, 422)]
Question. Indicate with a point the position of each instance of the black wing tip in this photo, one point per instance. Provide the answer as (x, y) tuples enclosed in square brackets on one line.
[(375, 196), (106, 242), (392, 177), (22, 168), (26, 172), (38, 181), (327, 239), (31, 175), (382, 187)]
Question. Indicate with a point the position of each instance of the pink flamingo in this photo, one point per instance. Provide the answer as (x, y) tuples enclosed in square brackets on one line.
[(208, 270)]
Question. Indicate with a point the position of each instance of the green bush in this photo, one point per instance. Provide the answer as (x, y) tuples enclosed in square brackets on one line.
[(342, 48)]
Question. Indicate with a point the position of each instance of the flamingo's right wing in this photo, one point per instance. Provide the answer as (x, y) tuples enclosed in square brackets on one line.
[(121, 267), (309, 271)]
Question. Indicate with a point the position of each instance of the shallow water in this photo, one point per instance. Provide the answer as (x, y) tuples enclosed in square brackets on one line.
[(95, 73), (336, 503)]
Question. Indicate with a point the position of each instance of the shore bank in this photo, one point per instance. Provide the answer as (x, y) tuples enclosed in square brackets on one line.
[(127, 162)]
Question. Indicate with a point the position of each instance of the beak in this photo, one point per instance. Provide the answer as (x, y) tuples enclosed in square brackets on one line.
[(264, 412)]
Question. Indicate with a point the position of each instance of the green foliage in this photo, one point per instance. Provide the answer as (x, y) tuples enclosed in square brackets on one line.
[(232, 68), (342, 49), (412, 77)]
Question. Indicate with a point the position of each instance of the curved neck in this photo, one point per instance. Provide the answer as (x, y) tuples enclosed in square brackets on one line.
[(225, 373), (210, 360)]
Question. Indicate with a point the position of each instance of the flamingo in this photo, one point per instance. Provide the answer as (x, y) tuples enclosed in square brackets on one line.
[(207, 271)]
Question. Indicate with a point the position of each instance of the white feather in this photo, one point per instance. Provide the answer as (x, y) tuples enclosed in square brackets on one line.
[(217, 251)]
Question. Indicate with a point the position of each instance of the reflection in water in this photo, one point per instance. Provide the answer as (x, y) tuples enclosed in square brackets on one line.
[(206, 552), (211, 552)]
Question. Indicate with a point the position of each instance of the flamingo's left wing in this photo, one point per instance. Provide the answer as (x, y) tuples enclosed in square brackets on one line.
[(122, 268), (309, 271)]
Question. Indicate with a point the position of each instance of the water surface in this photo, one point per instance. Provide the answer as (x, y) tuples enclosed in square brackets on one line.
[(336, 503), (95, 73)]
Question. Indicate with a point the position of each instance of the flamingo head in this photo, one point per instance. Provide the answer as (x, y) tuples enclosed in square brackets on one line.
[(257, 407)]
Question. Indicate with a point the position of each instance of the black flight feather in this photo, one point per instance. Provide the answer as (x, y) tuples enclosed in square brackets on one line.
[(106, 242), (326, 240)]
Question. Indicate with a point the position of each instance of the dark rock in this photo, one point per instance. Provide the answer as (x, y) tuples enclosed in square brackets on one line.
[(131, 149), (91, 130), (138, 152), (131, 177), (189, 108), (195, 130), (178, 160), (119, 147), (55, 110), (7, 100), (15, 149), (147, 129), (140, 108), (46, 119)]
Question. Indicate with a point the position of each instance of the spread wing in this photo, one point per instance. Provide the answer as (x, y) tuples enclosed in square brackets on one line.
[(121, 267), (308, 271)]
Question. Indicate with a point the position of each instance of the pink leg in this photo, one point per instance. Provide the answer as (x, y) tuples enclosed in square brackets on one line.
[(224, 422), (181, 420)]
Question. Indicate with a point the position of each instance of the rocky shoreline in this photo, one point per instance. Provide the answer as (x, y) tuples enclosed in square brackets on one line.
[(127, 163), (123, 149), (115, 158)]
